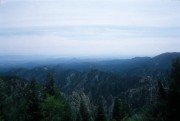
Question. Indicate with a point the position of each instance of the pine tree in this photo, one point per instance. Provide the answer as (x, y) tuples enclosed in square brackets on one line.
[(2, 97), (67, 112), (124, 108), (33, 102), (158, 111), (167, 107), (84, 112), (116, 114), (49, 85), (101, 114), (175, 73), (174, 92), (78, 117), (52, 109)]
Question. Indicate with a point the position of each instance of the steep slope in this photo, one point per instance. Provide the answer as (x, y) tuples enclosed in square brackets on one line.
[(135, 79)]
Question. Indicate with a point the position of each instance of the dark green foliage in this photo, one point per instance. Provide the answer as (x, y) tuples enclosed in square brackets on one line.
[(53, 106), (13, 94), (1, 119), (175, 73), (68, 114), (2, 97), (33, 102), (136, 117), (125, 109), (49, 85), (78, 117), (84, 111), (50, 88), (167, 107), (101, 114), (23, 101), (121, 109), (116, 114), (174, 92), (52, 109), (158, 111)]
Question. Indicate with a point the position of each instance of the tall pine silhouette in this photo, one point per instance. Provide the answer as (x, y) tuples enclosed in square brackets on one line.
[(49, 85), (174, 93), (101, 114), (33, 102), (84, 112), (116, 114)]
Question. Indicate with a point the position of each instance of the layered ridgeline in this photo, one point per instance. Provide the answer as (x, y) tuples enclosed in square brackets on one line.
[(110, 77), (62, 68), (90, 87)]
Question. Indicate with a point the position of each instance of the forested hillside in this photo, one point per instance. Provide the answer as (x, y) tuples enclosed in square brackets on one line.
[(138, 89)]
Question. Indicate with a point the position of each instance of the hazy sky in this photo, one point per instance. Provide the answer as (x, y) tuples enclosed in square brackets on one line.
[(89, 27)]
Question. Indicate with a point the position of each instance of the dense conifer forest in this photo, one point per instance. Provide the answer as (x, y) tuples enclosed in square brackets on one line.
[(24, 99)]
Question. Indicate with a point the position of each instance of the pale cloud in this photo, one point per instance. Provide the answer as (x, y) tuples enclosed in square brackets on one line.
[(25, 13), (56, 45), (89, 27)]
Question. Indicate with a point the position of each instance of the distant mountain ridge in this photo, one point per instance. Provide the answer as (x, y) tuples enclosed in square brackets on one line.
[(9, 62), (134, 78), (162, 61)]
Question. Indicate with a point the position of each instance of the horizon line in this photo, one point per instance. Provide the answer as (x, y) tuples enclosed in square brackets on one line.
[(55, 56)]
